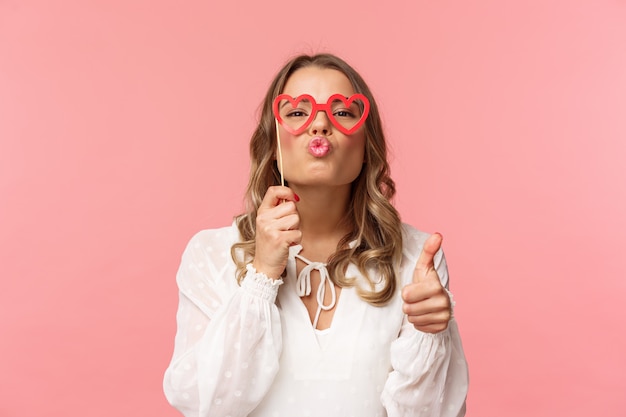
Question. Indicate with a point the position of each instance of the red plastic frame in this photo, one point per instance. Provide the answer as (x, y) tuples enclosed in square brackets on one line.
[(325, 107)]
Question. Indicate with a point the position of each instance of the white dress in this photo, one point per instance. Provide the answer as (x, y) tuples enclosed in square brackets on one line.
[(251, 350)]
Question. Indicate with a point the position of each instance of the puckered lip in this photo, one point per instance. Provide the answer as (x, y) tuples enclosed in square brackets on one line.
[(319, 146)]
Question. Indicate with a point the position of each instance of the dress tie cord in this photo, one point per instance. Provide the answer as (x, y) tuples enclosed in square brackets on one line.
[(303, 285)]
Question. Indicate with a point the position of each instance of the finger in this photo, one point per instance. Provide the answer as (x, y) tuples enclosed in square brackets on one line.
[(430, 305), (294, 237), (286, 238), (280, 218), (425, 262), (274, 229), (276, 194), (432, 328), (438, 318), (423, 290), (289, 222), (288, 208), (412, 293)]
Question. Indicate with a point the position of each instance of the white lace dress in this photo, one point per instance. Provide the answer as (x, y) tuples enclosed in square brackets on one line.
[(251, 350)]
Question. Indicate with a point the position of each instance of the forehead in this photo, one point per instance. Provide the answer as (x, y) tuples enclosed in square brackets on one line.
[(321, 83)]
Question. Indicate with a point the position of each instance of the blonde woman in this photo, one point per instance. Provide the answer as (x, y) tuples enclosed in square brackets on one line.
[(317, 301)]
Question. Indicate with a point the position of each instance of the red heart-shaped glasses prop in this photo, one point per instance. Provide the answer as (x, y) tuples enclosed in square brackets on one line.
[(326, 107)]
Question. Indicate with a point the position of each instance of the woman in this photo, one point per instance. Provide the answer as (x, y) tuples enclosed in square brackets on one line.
[(317, 301)]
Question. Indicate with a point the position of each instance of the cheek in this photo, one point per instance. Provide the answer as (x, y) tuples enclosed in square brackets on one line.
[(287, 142), (355, 145)]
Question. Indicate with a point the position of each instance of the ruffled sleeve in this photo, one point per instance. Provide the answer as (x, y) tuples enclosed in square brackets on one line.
[(429, 372), (228, 340)]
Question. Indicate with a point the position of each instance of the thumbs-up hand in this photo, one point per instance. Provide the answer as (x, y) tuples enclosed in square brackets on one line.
[(426, 302)]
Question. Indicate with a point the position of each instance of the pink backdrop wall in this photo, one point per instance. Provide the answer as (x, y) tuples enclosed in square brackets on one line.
[(124, 128)]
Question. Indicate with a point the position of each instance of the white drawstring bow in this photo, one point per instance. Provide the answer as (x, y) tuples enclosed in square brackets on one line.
[(303, 285)]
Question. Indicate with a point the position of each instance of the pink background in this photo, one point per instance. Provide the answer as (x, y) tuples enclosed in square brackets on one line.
[(124, 129)]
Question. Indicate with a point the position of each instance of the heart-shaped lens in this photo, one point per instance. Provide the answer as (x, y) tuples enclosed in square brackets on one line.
[(348, 113), (294, 114)]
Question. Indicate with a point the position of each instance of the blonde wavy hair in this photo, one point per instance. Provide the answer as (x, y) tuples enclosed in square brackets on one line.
[(374, 222)]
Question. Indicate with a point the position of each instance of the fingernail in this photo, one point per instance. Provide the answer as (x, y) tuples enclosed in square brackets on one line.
[(439, 234), (296, 197)]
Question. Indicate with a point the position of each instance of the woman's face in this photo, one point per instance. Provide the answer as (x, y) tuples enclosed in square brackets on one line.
[(321, 155)]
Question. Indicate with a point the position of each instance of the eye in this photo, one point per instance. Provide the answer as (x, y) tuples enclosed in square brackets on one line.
[(296, 113), (343, 113)]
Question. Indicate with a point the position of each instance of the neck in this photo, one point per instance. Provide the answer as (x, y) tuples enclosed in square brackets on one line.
[(322, 211)]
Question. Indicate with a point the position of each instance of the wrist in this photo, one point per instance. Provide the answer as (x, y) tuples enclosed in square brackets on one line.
[(259, 285), (271, 273)]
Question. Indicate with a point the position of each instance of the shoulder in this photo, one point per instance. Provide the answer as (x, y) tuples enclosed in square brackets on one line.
[(212, 243), (221, 236), (412, 241), (206, 272), (412, 246)]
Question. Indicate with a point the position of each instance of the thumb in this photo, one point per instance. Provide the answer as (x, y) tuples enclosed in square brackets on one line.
[(425, 267)]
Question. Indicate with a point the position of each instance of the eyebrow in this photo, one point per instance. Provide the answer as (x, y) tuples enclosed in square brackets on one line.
[(285, 101)]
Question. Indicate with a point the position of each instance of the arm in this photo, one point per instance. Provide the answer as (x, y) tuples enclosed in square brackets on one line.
[(429, 376), (228, 339)]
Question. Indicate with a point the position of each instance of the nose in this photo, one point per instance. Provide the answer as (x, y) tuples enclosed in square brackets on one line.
[(321, 124)]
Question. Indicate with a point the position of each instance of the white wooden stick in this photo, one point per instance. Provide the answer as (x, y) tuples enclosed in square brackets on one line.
[(280, 156)]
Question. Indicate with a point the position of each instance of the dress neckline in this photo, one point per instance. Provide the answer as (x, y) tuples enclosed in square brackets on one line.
[(303, 286)]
